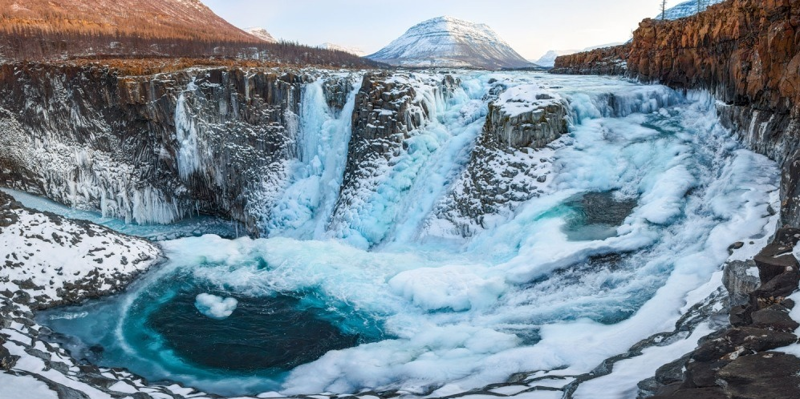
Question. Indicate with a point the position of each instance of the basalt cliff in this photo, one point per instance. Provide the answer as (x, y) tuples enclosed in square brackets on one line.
[(747, 54), (225, 141)]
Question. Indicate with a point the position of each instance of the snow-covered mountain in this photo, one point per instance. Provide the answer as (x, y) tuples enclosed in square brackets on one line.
[(451, 42), (336, 47), (262, 34), (687, 9), (549, 59)]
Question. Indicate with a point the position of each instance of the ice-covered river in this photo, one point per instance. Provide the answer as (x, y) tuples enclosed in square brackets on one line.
[(629, 229)]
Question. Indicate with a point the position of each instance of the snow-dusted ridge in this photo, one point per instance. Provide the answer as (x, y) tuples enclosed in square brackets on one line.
[(336, 47), (262, 34), (451, 43)]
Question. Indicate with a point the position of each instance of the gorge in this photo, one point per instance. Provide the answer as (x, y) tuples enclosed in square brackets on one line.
[(256, 231)]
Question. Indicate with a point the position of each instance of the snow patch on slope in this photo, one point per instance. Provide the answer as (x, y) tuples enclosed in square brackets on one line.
[(687, 9), (262, 34), (335, 47)]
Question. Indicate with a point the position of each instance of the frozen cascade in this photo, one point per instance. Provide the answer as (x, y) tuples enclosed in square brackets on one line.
[(307, 202), (433, 317), (186, 134)]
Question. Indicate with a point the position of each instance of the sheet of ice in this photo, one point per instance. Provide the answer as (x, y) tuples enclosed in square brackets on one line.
[(307, 203), (215, 307), (194, 226), (186, 134)]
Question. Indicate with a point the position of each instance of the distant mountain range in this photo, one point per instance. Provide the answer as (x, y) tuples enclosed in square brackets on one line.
[(451, 42), (336, 47)]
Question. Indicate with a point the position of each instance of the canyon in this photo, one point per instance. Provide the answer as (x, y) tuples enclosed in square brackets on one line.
[(443, 232), (747, 54)]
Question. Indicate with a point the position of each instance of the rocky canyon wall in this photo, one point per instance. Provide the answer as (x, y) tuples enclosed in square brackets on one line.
[(151, 149), (745, 52)]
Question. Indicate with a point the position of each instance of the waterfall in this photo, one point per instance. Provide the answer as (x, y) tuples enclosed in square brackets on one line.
[(186, 135), (307, 202)]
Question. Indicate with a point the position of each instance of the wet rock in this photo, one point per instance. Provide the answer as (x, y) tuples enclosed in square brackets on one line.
[(704, 393), (767, 375), (671, 373), (776, 258), (7, 361), (738, 282), (776, 318)]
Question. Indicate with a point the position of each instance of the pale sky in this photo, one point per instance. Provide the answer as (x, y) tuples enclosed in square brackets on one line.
[(530, 26)]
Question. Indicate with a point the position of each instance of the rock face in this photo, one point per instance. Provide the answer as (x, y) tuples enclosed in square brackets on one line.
[(505, 169), (745, 52), (603, 61), (450, 42), (737, 362), (151, 149)]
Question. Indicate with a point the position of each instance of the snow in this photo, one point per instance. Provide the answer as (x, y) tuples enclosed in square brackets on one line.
[(262, 34), (627, 373), (526, 98), (687, 9), (450, 42), (16, 387), (215, 307), (352, 50), (67, 252)]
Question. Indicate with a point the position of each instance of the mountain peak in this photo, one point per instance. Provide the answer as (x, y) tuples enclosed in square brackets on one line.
[(262, 34), (450, 42)]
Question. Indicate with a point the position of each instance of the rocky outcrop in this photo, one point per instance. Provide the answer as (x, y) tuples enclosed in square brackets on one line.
[(51, 261), (390, 108), (737, 362), (602, 61), (506, 167), (152, 149)]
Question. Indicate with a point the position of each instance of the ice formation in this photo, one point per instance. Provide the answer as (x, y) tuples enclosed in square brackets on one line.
[(515, 295), (215, 307)]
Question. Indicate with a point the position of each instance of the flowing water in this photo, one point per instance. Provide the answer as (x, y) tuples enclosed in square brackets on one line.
[(645, 196)]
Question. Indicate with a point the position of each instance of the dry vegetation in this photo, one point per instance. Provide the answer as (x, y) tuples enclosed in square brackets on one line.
[(47, 30)]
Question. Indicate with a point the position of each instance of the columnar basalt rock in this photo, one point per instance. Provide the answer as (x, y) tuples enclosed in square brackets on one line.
[(506, 167), (737, 362), (153, 148)]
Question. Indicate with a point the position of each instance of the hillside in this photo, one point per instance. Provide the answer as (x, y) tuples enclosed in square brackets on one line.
[(42, 30)]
